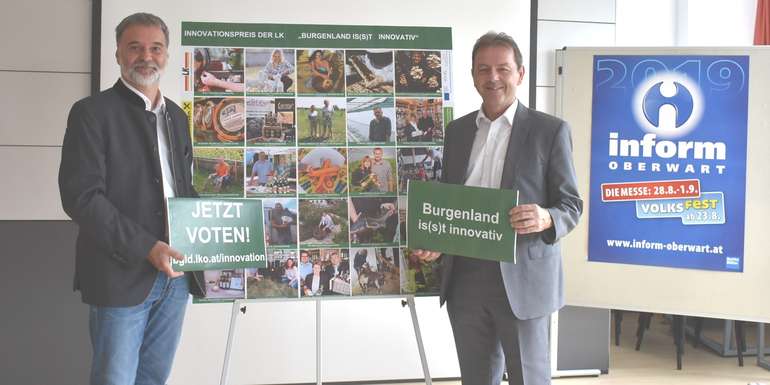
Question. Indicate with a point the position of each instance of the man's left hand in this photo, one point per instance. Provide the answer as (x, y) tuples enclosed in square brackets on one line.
[(530, 218)]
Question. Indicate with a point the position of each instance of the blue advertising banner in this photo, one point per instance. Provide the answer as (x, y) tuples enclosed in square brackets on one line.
[(668, 161)]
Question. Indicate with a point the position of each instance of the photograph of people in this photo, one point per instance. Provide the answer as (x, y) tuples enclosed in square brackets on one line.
[(270, 121), (218, 171), (362, 179), (321, 121), (420, 120), (270, 71), (280, 222), (323, 171), (218, 71), (373, 221), (418, 163), (317, 282), (418, 72), (320, 71), (280, 278), (371, 121), (369, 71), (336, 265), (419, 277), (376, 271), (270, 172), (305, 264), (372, 171), (218, 121), (323, 223), (224, 284)]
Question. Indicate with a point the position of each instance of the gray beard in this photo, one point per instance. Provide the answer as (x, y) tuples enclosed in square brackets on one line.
[(143, 80)]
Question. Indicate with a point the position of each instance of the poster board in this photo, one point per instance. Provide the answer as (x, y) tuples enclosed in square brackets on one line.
[(731, 295)]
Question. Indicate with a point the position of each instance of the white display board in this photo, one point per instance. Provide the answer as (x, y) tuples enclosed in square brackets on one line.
[(730, 295)]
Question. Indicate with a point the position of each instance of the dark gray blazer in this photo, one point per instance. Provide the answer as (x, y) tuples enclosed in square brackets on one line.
[(111, 186), (539, 164)]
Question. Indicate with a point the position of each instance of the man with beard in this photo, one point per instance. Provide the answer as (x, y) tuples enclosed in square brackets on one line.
[(125, 150)]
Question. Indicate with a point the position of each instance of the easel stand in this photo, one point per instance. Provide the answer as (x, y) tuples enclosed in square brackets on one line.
[(239, 309)]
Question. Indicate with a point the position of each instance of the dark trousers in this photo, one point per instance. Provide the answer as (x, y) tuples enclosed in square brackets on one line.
[(488, 336)]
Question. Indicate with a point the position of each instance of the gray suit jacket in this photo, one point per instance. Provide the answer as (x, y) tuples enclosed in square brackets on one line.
[(539, 164)]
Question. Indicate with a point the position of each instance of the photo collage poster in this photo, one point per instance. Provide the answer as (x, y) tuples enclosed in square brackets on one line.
[(326, 124)]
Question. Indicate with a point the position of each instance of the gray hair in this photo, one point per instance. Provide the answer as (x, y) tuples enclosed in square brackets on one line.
[(493, 38), (141, 18)]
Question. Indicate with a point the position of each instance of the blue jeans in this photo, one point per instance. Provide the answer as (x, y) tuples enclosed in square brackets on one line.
[(135, 345)]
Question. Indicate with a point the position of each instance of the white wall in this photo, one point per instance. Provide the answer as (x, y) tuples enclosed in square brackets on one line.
[(44, 67), (720, 23), (633, 23), (568, 23), (647, 23), (700, 23)]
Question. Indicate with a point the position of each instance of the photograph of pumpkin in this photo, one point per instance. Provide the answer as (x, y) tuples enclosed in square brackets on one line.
[(218, 71), (323, 171), (320, 71), (218, 121), (323, 223)]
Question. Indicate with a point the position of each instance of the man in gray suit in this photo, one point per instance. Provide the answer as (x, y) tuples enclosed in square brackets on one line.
[(499, 311)]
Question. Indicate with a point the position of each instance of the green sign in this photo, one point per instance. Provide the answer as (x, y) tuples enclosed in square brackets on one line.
[(216, 233), (314, 35), (461, 220)]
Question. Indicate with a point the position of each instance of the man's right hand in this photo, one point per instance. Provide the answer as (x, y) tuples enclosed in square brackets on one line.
[(160, 257), (426, 255)]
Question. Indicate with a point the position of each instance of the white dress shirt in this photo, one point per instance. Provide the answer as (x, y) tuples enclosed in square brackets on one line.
[(160, 130), (485, 165)]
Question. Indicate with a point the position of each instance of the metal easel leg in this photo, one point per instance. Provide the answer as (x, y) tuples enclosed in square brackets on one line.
[(318, 341), (230, 338), (418, 336)]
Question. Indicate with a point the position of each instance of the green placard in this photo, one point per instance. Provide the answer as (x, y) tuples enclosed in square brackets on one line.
[(461, 220), (314, 35), (216, 233)]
